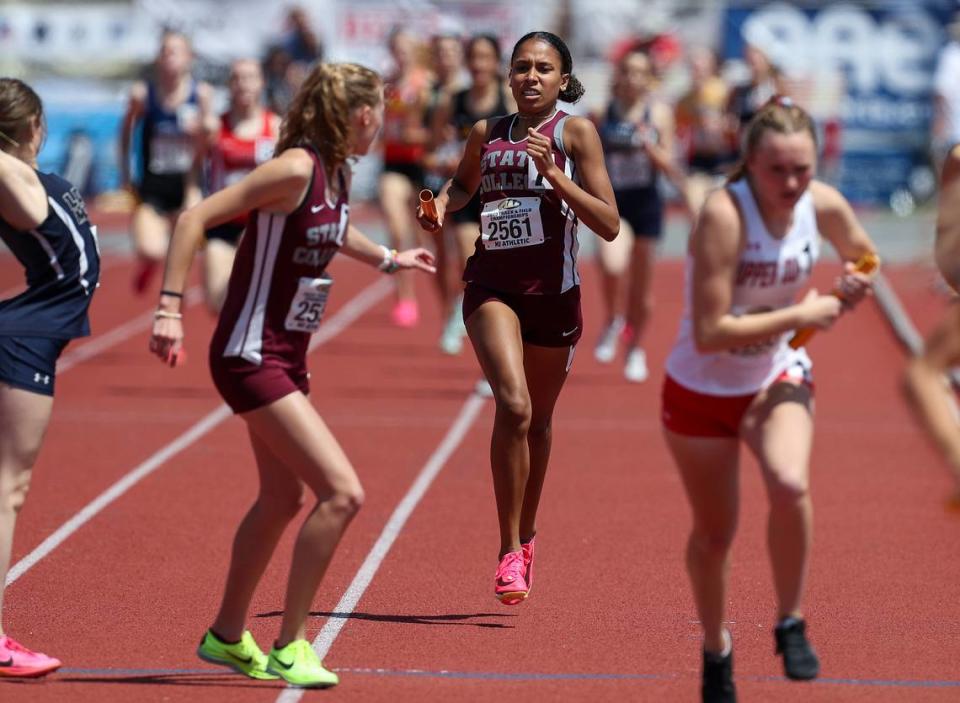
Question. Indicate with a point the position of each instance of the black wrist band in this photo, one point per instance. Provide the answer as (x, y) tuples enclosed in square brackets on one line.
[(171, 293)]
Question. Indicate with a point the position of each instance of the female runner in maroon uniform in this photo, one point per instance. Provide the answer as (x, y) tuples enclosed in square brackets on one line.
[(539, 172), (299, 219)]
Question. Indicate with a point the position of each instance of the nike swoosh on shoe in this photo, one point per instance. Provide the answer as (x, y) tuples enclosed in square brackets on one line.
[(240, 659)]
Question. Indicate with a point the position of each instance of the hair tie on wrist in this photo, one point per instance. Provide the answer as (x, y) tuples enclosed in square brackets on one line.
[(172, 294), (167, 315)]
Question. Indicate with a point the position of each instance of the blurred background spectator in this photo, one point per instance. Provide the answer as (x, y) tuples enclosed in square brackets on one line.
[(299, 41), (701, 129), (865, 69)]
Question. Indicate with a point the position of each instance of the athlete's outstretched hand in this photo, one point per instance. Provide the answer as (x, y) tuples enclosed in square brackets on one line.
[(540, 150), (418, 258), (167, 340)]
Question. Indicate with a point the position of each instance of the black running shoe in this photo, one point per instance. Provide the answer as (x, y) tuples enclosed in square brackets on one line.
[(718, 679), (799, 660)]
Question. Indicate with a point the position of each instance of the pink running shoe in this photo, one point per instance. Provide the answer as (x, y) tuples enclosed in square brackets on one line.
[(527, 551), (146, 268), (510, 587), (405, 313), (18, 661)]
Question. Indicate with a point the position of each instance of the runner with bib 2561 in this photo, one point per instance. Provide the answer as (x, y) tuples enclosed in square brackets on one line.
[(539, 172)]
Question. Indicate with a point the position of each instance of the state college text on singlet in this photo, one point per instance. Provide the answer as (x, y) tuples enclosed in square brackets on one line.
[(278, 287)]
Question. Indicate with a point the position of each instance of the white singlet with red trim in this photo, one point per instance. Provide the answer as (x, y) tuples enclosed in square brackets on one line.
[(770, 274)]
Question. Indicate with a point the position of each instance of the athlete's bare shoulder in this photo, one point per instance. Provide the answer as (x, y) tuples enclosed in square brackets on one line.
[(827, 197), (295, 162), (578, 127), (720, 209), (718, 233)]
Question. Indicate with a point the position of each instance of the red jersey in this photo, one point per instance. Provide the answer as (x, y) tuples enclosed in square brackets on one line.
[(233, 157), (528, 234), (400, 101), (278, 287)]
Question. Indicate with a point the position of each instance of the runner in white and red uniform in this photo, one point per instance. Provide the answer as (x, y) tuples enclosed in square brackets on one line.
[(298, 220), (247, 137), (539, 172), (732, 376)]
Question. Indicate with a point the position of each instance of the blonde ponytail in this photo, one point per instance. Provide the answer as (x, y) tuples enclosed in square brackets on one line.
[(319, 113)]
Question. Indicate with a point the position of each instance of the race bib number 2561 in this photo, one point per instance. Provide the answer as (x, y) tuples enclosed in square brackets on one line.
[(308, 305), (511, 223)]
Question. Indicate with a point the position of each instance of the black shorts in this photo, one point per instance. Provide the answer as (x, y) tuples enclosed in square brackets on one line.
[(642, 208), (433, 182), (165, 194), (413, 172), (229, 232), (30, 363), (709, 164), (545, 320), (470, 213)]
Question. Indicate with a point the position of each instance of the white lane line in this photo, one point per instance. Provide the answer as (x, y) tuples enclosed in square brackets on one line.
[(352, 310), (116, 490), (118, 334), (348, 602)]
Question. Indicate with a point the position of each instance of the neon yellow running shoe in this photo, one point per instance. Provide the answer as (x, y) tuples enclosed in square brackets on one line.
[(245, 656), (299, 665)]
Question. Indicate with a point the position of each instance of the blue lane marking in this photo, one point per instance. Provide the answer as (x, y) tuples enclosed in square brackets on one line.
[(518, 676)]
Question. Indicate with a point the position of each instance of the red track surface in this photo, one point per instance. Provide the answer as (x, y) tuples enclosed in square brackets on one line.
[(125, 599)]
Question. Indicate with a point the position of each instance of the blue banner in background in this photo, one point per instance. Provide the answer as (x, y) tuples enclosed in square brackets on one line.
[(82, 146), (868, 67), (83, 130)]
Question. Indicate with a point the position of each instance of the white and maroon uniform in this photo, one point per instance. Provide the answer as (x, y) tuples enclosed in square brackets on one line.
[(232, 158), (275, 300), (528, 237), (770, 274)]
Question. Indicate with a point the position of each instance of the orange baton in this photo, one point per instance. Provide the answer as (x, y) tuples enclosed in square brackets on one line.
[(427, 205), (867, 264)]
